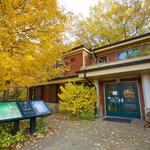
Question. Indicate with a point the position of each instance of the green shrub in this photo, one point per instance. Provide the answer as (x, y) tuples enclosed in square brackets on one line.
[(41, 127), (78, 100), (7, 140)]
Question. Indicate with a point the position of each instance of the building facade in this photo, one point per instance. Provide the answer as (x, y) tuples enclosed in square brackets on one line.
[(119, 71)]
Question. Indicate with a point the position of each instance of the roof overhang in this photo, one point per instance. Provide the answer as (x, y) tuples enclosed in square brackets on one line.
[(77, 50), (138, 39), (59, 81)]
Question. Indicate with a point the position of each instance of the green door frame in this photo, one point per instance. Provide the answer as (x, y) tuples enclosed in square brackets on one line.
[(116, 104)]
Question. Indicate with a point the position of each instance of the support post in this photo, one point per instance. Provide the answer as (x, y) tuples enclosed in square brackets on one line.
[(32, 128), (146, 91), (97, 111), (15, 127)]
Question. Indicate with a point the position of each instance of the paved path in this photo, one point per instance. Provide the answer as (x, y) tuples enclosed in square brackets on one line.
[(94, 135)]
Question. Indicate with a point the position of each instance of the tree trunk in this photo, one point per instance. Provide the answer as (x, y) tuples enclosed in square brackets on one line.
[(16, 94), (27, 94), (5, 95)]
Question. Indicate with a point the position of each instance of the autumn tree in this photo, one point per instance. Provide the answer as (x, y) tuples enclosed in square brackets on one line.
[(113, 20), (30, 42)]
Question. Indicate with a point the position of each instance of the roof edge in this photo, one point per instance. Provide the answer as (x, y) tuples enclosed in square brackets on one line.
[(123, 41)]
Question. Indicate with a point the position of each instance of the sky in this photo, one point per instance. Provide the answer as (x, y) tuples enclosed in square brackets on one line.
[(78, 6)]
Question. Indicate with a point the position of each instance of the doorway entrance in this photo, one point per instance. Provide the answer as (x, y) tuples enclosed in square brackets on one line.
[(122, 100)]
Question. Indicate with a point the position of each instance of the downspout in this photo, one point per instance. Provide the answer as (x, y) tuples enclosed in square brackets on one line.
[(85, 77), (94, 54)]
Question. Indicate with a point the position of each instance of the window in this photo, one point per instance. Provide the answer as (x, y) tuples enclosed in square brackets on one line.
[(122, 55), (102, 59), (129, 54)]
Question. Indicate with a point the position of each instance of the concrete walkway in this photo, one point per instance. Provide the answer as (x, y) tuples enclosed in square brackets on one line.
[(94, 135)]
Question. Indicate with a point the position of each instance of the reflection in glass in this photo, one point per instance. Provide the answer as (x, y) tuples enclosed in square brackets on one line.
[(128, 93), (130, 107), (113, 107), (134, 53), (113, 98), (122, 55), (129, 54), (129, 99)]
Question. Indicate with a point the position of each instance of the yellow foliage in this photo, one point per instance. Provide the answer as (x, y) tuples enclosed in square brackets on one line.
[(77, 99), (30, 41), (113, 20)]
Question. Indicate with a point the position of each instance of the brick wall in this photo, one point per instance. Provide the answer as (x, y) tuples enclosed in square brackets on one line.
[(111, 57), (88, 59), (74, 62)]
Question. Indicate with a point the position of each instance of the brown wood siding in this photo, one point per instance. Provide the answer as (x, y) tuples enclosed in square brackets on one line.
[(30, 93), (53, 94), (45, 93), (38, 93), (49, 93)]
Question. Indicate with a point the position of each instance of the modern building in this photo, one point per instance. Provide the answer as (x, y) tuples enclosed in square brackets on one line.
[(120, 72)]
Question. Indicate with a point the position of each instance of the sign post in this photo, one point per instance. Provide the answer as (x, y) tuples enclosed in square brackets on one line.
[(15, 127), (32, 128)]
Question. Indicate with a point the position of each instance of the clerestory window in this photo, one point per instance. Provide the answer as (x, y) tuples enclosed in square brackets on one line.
[(129, 54)]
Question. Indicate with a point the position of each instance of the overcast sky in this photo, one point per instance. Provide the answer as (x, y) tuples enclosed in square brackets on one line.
[(78, 6)]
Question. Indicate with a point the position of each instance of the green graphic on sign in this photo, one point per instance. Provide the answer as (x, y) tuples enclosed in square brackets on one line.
[(9, 110)]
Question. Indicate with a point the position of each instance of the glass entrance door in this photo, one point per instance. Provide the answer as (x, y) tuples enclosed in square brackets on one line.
[(113, 104), (130, 99), (122, 100)]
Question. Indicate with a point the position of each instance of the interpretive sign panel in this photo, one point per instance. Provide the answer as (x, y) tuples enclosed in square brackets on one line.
[(25, 106), (40, 108), (19, 110), (9, 111), (27, 109)]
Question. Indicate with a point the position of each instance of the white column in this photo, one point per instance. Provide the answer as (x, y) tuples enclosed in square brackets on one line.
[(96, 83), (146, 90)]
